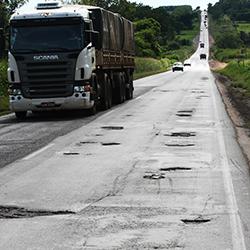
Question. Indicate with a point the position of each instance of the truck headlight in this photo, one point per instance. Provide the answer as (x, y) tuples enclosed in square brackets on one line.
[(79, 89), (15, 92)]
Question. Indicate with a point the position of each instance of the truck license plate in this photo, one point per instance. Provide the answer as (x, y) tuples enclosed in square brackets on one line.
[(48, 104)]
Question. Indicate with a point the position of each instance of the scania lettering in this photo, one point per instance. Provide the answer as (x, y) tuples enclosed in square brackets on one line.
[(69, 57)]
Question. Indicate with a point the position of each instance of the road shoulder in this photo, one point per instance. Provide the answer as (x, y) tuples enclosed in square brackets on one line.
[(235, 112)]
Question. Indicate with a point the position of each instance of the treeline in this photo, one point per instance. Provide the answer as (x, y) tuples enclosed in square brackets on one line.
[(156, 29), (226, 15), (237, 10)]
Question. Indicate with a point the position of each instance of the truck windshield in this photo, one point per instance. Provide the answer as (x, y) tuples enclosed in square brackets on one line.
[(46, 38)]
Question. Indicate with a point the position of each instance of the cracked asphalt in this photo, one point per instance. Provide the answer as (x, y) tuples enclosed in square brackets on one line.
[(138, 176)]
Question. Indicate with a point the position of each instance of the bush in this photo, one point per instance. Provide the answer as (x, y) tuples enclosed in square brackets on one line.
[(228, 40), (4, 100), (149, 66), (239, 73), (3, 78)]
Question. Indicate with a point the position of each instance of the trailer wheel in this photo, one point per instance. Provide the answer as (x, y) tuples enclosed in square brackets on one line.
[(21, 115), (130, 89), (109, 90), (119, 90), (105, 96)]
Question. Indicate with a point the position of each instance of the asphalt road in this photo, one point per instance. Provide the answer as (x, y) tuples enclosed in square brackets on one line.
[(162, 171)]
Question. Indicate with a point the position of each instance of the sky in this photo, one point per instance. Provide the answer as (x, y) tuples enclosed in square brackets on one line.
[(154, 3)]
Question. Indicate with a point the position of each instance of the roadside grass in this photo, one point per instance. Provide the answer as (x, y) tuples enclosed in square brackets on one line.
[(4, 100), (243, 26), (227, 55), (150, 66), (180, 54), (239, 73)]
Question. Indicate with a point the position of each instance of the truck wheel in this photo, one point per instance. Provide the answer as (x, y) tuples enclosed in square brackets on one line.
[(109, 90), (119, 88), (123, 87), (105, 92), (92, 111), (21, 115), (130, 91)]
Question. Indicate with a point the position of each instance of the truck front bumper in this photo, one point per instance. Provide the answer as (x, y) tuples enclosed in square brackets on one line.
[(76, 101)]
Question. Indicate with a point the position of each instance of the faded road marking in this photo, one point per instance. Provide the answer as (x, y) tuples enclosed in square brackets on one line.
[(38, 152)]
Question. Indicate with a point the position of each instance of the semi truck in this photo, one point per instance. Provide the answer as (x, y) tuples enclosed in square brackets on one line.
[(67, 57)]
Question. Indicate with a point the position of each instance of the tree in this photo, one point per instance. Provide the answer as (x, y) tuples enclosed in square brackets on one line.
[(7, 7), (147, 37)]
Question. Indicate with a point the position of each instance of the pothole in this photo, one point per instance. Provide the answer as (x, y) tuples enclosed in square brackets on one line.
[(186, 113), (180, 144), (198, 91), (183, 114), (163, 90), (88, 142), (198, 220), (98, 135), (12, 212), (153, 175), (204, 78), (110, 143), (175, 169), (70, 153), (181, 134), (113, 127)]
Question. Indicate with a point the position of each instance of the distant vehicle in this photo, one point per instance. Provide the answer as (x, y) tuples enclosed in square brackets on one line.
[(178, 66), (203, 56), (202, 45), (187, 63)]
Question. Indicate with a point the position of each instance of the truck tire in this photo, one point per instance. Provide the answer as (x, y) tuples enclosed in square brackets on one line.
[(110, 94), (130, 89), (21, 115), (106, 93), (119, 89), (92, 111)]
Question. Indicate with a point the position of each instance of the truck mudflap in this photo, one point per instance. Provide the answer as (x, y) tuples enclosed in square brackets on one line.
[(76, 101)]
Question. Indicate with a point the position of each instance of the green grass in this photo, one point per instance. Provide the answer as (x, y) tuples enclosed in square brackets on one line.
[(228, 55), (180, 54), (239, 73), (243, 26), (4, 100), (150, 66)]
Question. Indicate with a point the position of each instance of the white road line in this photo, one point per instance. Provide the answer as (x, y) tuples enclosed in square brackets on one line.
[(38, 152), (137, 98), (238, 239)]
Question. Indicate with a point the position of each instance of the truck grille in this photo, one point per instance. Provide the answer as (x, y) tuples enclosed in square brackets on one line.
[(47, 79)]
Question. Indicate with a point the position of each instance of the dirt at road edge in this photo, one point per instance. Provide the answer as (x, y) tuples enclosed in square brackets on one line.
[(238, 110)]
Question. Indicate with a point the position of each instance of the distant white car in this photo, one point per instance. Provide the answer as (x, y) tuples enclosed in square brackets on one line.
[(187, 63), (177, 66)]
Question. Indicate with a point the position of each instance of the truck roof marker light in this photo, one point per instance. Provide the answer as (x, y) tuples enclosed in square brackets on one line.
[(48, 5)]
